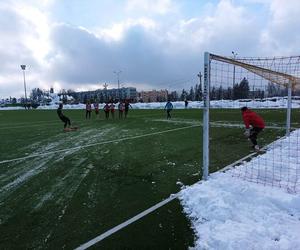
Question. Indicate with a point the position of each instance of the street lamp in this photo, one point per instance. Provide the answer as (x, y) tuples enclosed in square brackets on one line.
[(200, 86), (23, 67), (105, 85), (118, 75)]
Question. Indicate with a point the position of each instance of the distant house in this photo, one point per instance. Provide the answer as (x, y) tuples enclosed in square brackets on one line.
[(153, 96)]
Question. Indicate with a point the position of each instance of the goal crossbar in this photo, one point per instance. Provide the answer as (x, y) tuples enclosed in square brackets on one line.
[(268, 74)]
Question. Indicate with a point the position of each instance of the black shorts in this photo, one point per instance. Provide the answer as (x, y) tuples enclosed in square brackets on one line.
[(255, 130)]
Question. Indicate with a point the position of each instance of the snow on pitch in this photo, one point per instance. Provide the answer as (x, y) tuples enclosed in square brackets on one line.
[(231, 213)]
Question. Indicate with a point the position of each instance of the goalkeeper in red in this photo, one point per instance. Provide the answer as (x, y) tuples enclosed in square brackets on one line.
[(257, 125)]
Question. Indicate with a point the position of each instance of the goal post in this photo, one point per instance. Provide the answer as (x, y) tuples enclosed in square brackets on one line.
[(231, 83), (206, 91)]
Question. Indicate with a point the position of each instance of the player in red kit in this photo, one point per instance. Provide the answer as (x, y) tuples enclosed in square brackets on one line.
[(106, 110), (96, 107), (257, 125), (112, 110)]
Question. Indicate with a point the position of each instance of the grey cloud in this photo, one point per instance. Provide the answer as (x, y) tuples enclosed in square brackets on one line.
[(80, 57), (280, 35), (13, 52)]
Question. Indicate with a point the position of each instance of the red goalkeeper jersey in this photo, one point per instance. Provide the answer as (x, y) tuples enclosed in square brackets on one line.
[(253, 119)]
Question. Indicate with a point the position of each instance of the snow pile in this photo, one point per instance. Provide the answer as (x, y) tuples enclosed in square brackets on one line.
[(268, 103), (66, 106), (278, 102), (230, 213), (56, 99), (12, 108)]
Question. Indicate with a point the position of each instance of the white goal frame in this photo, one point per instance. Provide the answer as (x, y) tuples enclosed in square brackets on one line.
[(276, 77)]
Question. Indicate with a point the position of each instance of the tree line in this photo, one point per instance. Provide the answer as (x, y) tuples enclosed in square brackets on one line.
[(240, 90)]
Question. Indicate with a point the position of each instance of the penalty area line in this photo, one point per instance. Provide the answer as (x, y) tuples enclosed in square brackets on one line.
[(158, 205), (95, 144), (126, 223)]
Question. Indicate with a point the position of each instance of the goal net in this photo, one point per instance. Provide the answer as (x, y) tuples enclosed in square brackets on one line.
[(270, 87)]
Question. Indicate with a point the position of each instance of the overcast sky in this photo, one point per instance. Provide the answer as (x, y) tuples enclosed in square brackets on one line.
[(159, 44)]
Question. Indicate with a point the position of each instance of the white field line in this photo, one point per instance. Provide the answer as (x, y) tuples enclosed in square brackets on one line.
[(155, 207), (217, 124), (213, 124), (126, 223), (239, 125), (95, 144)]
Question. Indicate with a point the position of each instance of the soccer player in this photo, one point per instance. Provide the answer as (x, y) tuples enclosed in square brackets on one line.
[(61, 116), (106, 110), (112, 110), (257, 125), (88, 110), (169, 107), (186, 103), (127, 105), (96, 107), (121, 108)]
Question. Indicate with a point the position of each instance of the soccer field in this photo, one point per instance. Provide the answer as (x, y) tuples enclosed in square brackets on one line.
[(59, 190)]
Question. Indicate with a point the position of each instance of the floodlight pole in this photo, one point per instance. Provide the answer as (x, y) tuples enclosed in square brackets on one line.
[(23, 67), (118, 75), (105, 85), (200, 77), (200, 81), (206, 90)]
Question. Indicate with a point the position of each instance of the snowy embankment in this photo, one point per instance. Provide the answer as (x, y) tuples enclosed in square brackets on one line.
[(66, 106), (12, 108), (230, 213), (278, 102)]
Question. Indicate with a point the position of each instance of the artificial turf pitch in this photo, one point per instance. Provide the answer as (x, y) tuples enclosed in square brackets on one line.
[(80, 184)]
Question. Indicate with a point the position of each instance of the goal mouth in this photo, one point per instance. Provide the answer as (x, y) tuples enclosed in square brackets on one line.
[(232, 83)]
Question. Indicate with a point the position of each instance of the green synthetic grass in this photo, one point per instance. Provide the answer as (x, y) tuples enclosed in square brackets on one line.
[(64, 199)]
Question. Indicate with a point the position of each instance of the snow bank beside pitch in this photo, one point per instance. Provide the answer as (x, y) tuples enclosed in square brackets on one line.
[(230, 213), (272, 103)]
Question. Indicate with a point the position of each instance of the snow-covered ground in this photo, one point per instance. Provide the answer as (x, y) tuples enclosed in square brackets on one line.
[(228, 212)]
